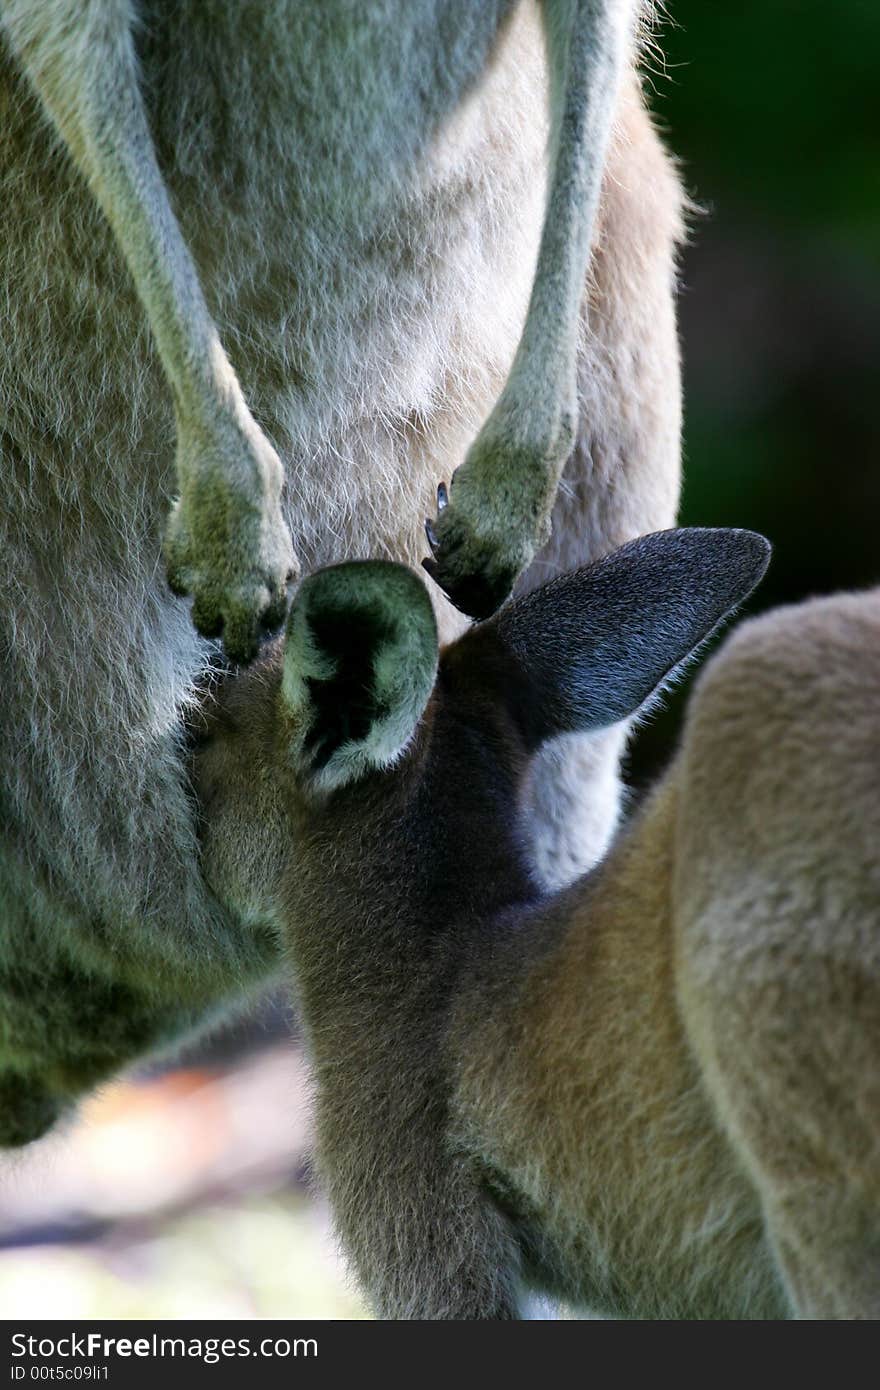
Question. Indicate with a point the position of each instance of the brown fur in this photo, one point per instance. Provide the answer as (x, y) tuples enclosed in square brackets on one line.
[(654, 1093)]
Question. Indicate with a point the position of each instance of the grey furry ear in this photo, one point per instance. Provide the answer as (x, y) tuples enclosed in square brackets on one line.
[(589, 648), (360, 661)]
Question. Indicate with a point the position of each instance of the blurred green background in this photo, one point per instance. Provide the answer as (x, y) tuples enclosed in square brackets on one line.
[(183, 1194), (773, 107)]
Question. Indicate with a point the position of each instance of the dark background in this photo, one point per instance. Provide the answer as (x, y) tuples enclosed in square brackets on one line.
[(773, 107)]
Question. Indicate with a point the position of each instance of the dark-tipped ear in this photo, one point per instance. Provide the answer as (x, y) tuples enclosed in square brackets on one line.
[(590, 647), (360, 660)]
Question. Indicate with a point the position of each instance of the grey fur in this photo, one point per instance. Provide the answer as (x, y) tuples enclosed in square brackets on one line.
[(502, 496), (227, 225)]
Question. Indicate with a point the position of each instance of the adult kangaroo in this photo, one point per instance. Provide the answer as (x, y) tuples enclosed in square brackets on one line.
[(655, 1092), (276, 267)]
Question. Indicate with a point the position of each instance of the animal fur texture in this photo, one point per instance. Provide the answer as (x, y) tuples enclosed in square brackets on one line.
[(282, 256), (653, 1093)]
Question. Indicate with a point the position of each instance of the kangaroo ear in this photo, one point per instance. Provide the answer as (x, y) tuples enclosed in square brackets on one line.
[(589, 648), (359, 665)]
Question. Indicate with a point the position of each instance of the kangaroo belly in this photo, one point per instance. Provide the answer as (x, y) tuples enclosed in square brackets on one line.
[(361, 188), (365, 211)]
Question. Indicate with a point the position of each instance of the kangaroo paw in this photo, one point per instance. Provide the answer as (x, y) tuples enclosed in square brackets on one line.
[(482, 538), (227, 544)]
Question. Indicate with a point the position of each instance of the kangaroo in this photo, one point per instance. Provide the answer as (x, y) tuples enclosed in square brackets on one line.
[(653, 1093), (275, 267)]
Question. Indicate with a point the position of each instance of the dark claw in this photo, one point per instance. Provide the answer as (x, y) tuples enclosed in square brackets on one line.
[(442, 497), (209, 627), (433, 538), (272, 617), (473, 595)]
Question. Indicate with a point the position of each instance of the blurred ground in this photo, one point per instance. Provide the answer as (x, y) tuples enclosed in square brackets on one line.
[(175, 1196)]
